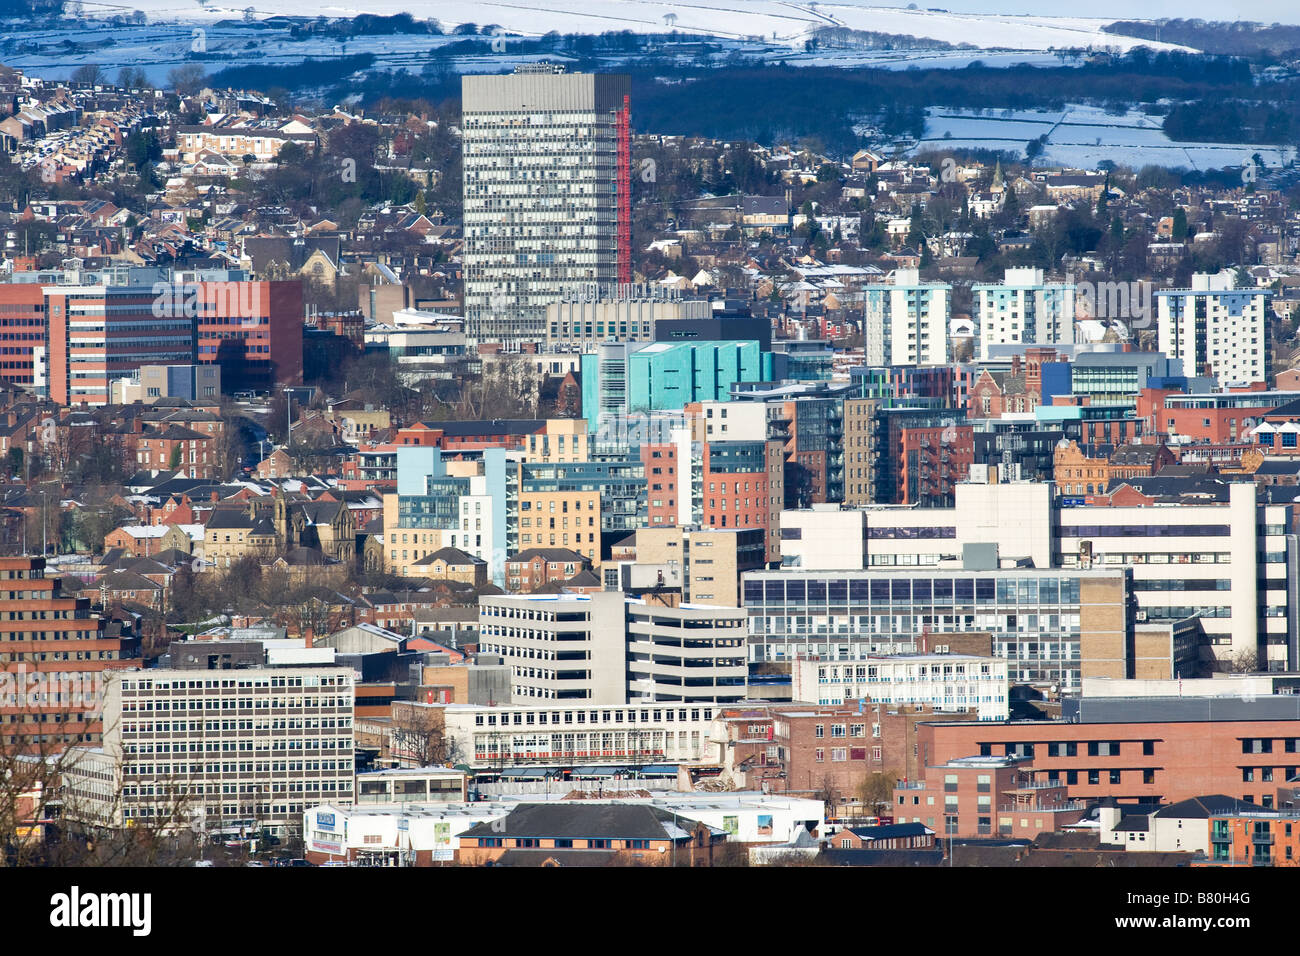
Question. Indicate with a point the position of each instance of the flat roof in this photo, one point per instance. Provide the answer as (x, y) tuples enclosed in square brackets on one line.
[(410, 772)]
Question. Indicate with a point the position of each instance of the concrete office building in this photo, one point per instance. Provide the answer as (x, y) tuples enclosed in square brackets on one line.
[(1216, 329), (941, 681), (547, 194), (1042, 622), (560, 647), (186, 747), (563, 732), (685, 654), (1024, 309), (580, 321), (605, 649), (1227, 561)]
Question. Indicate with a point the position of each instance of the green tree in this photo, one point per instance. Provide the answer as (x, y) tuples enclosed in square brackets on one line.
[(828, 173), (1011, 204)]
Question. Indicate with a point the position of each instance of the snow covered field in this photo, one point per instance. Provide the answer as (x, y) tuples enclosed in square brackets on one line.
[(1083, 136), (770, 20), (769, 29)]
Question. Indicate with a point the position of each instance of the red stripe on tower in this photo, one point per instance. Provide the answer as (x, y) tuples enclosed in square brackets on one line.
[(625, 193)]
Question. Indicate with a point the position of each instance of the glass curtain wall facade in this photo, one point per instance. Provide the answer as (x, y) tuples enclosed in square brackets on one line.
[(1034, 616)]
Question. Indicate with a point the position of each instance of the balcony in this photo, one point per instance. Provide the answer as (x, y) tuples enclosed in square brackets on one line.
[(1035, 785), (1261, 838), (1039, 808)]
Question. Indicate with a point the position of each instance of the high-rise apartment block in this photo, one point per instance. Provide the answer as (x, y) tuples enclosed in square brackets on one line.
[(547, 193), (907, 321), (1024, 309), (1216, 330)]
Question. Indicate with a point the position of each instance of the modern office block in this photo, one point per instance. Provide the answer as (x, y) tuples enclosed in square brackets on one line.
[(547, 193)]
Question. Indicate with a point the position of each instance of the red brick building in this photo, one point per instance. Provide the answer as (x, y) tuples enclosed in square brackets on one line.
[(1219, 417), (537, 567), (985, 797), (735, 487), (1090, 469), (52, 653), (1254, 839), (1168, 760), (22, 331), (253, 330), (660, 461), (935, 458), (822, 751), (175, 448)]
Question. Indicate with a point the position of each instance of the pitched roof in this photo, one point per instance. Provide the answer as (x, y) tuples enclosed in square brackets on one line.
[(1202, 808), (450, 555), (890, 831), (233, 519), (556, 555)]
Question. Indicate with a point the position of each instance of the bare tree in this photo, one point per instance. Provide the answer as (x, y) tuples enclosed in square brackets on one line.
[(63, 804), (508, 388), (419, 735), (829, 793), (187, 79), (1245, 661)]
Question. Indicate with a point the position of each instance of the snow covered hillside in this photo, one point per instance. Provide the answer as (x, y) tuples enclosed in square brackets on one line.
[(769, 20)]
